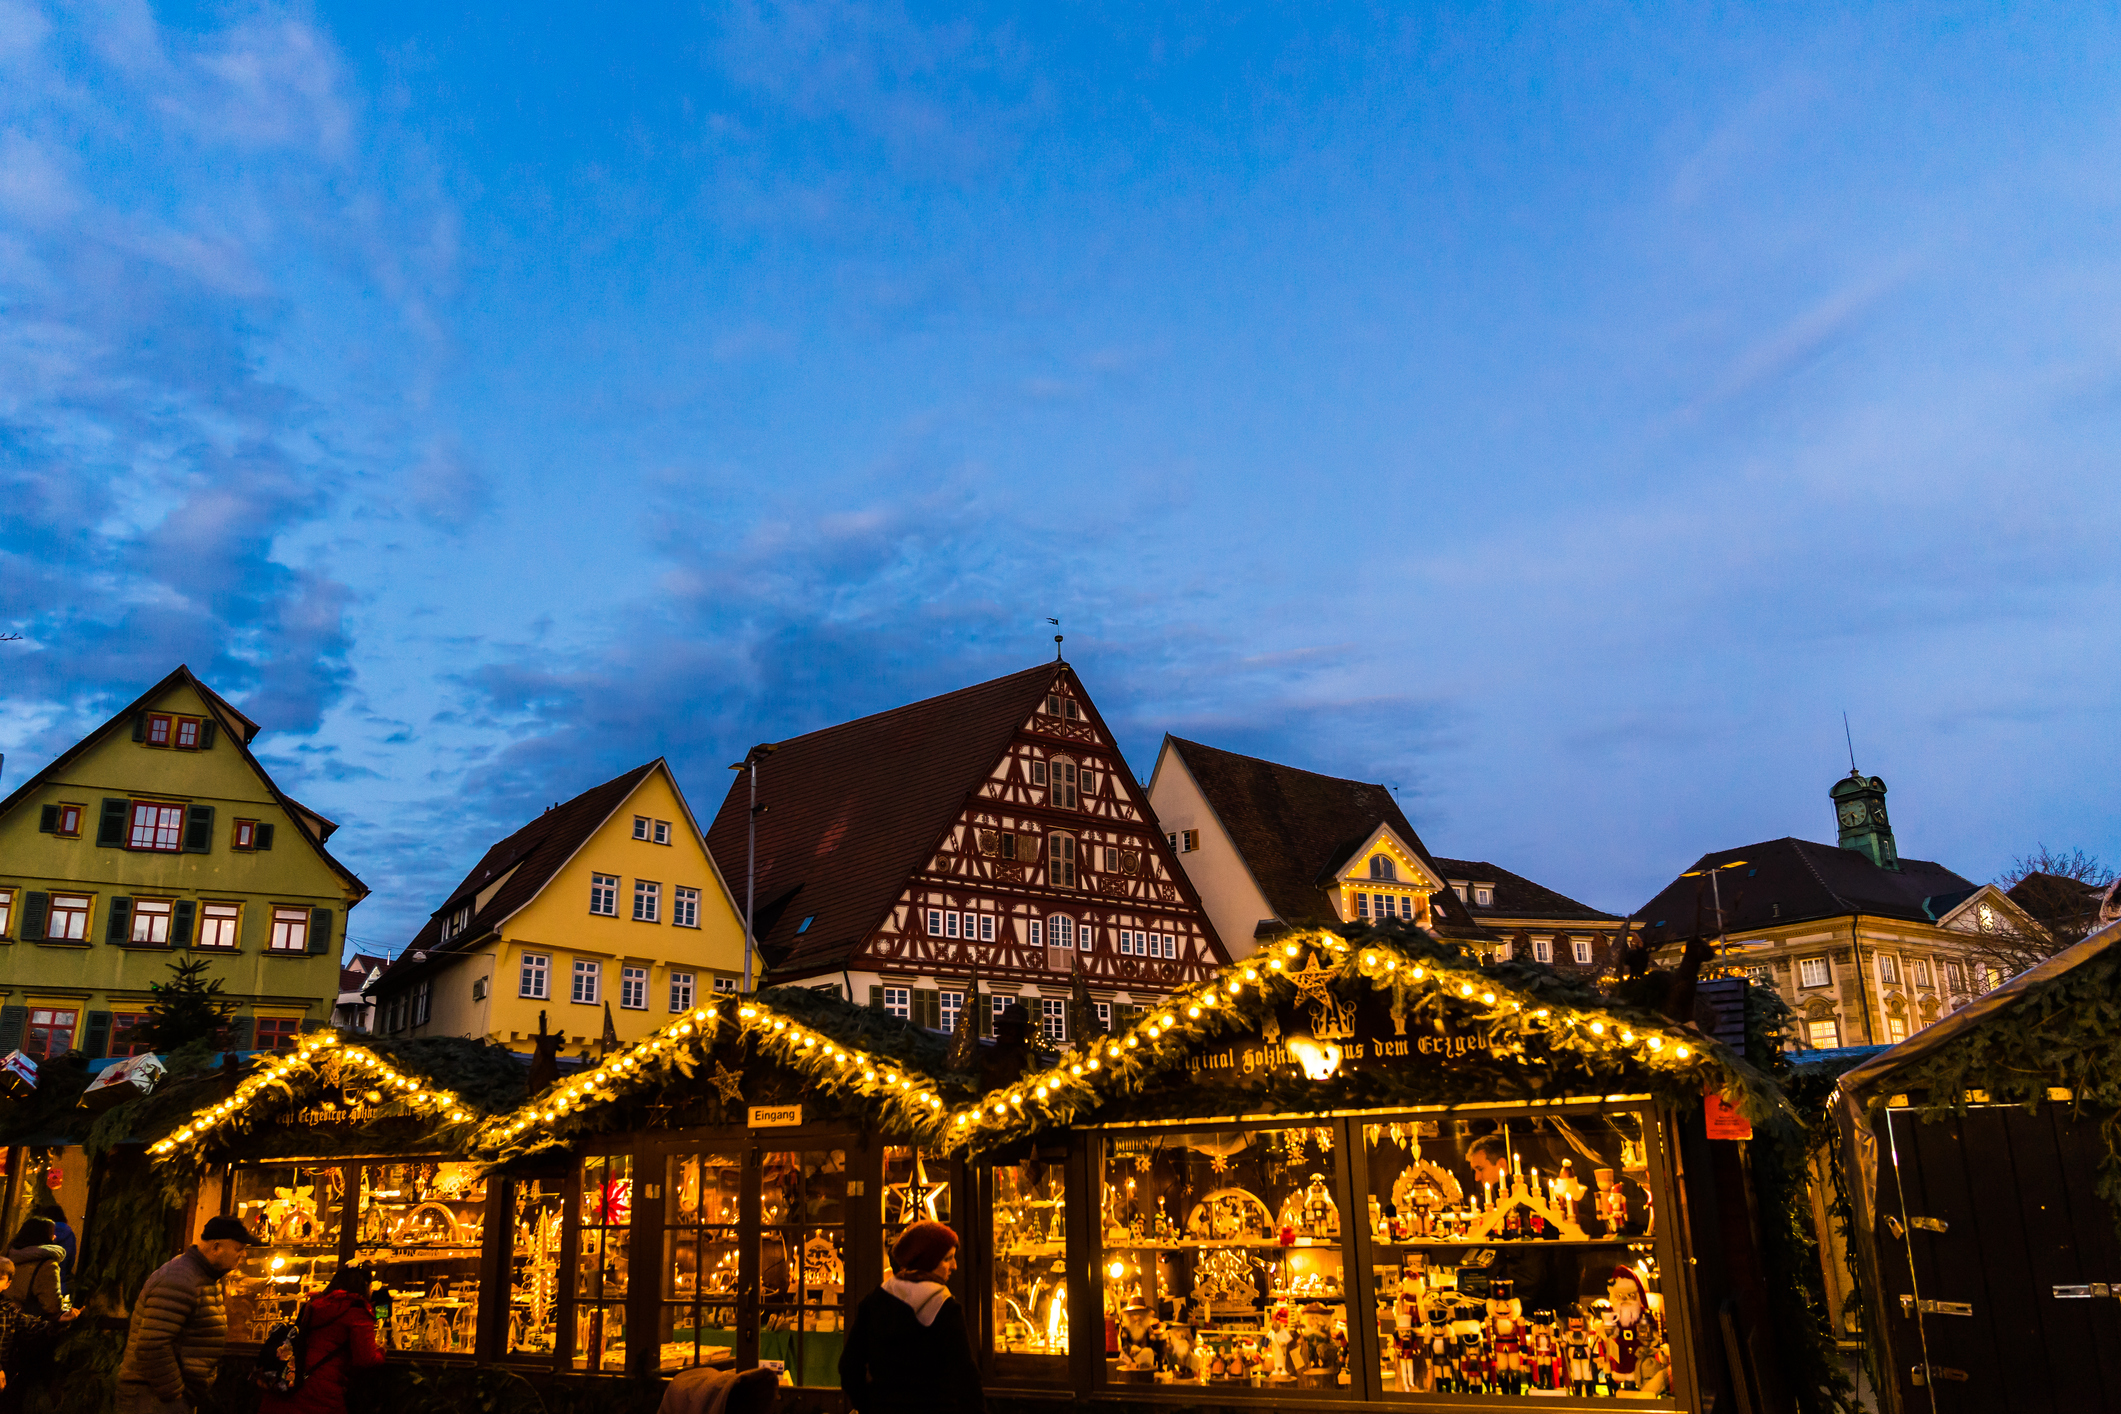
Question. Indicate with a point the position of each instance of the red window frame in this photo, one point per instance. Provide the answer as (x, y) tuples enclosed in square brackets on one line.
[(290, 925), (159, 728), (38, 1036), (246, 834), (69, 820), (187, 738), (155, 825), (210, 916), (66, 904), (276, 1033), (122, 1026)]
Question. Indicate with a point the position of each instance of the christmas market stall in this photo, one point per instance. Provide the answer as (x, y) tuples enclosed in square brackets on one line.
[(1984, 1163), (351, 1149), (1363, 1169)]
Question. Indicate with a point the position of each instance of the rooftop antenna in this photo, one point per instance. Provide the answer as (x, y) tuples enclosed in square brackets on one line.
[(1852, 743)]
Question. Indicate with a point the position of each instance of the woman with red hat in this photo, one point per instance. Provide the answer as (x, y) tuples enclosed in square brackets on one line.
[(908, 1351)]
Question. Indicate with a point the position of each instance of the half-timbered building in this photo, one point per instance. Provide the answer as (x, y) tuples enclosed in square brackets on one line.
[(993, 830)]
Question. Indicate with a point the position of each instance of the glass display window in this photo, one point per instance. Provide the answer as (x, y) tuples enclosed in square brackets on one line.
[(1222, 1259), (535, 1230), (1030, 1312), (802, 1262), (601, 1261), (295, 1211), (1516, 1256), (423, 1224), (701, 1255)]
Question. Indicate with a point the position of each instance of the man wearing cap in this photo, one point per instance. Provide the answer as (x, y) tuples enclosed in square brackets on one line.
[(179, 1326), (908, 1351)]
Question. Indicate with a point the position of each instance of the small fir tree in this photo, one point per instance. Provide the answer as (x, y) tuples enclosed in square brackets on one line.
[(187, 1008)]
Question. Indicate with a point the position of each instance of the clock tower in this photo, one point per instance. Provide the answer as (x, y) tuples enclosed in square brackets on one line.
[(1859, 808)]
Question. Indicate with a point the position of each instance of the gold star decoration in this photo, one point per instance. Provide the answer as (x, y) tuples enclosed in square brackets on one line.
[(728, 1082), (917, 1198), (1141, 1163), (1218, 1164), (1310, 980)]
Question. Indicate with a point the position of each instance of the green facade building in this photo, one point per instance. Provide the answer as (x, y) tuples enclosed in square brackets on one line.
[(159, 837)]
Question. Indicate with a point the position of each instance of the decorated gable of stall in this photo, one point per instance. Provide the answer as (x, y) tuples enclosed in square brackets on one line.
[(349, 1149)]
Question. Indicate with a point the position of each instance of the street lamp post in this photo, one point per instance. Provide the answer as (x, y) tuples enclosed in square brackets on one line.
[(1715, 873), (750, 765)]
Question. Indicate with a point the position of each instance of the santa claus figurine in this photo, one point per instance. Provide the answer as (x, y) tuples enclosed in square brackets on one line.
[(1632, 1331)]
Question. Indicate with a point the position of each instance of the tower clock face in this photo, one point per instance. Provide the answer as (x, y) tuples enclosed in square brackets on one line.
[(1852, 815), (1878, 814)]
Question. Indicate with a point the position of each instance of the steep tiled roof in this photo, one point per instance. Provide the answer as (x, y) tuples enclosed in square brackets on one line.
[(1295, 828), (539, 848), (358, 969), (852, 811), (1791, 880), (1517, 896)]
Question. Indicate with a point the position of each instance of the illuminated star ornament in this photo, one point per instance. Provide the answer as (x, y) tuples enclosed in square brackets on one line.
[(917, 1198), (728, 1082), (1311, 980), (1218, 1164)]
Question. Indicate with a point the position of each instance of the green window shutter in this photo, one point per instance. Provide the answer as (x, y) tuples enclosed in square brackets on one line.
[(983, 1013), (36, 909), (206, 735), (263, 839), (876, 998), (110, 830), (928, 1010), (12, 1020), (181, 923), (119, 925), (319, 930), (48, 820), (199, 830), (139, 726), (239, 1033), (97, 1040)]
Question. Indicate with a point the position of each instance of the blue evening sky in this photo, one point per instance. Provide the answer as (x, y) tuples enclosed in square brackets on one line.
[(1560, 414)]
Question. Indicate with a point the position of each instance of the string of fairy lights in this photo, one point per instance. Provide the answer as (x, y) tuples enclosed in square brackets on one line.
[(317, 1049), (912, 1101)]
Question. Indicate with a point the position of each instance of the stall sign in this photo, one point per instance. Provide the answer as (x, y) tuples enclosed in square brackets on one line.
[(775, 1116), (1725, 1122), (1366, 1033)]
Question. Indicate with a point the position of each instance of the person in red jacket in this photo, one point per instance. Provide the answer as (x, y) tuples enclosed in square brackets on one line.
[(340, 1339)]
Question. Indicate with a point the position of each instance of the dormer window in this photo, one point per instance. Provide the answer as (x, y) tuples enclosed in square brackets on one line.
[(1483, 896), (1460, 890), (1382, 867)]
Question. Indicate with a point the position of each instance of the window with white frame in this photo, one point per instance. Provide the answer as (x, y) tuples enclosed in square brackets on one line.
[(588, 982), (685, 907), (1888, 970), (949, 1006), (1104, 1016), (1812, 972), (986, 928), (1125, 942), (647, 901), (604, 895), (997, 1004), (1542, 949), (1035, 932), (1189, 841), (898, 1001), (1580, 949), (7, 910), (1824, 1034), (681, 991), (1483, 896), (1085, 938), (535, 979), (1053, 1017), (633, 988), (662, 832), (422, 1001), (726, 986), (1895, 1029), (640, 827), (935, 923), (1504, 950), (1060, 931), (1954, 977), (1918, 969), (950, 928)]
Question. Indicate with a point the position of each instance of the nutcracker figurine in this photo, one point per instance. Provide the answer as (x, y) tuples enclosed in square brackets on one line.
[(1612, 1201), (1505, 1337), (1543, 1354), (1409, 1357), (1472, 1357), (1576, 1352), (1439, 1344), (1632, 1331)]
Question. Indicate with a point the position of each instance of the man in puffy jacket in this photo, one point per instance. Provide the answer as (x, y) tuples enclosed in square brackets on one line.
[(180, 1326)]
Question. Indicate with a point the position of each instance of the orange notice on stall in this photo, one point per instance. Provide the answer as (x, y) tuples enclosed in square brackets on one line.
[(1725, 1122)]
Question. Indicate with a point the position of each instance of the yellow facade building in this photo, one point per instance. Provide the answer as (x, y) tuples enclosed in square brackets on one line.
[(605, 911)]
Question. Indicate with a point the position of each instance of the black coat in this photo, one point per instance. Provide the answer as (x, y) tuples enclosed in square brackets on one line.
[(892, 1364)]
